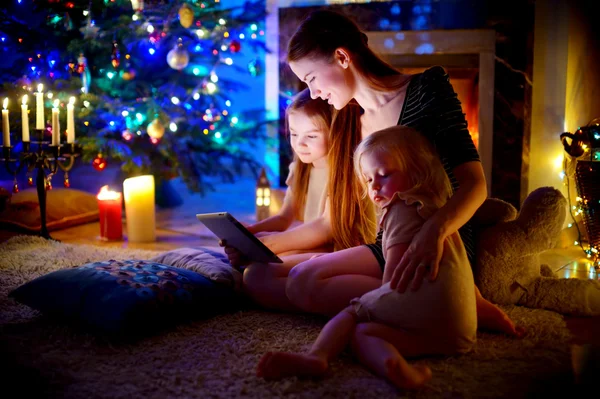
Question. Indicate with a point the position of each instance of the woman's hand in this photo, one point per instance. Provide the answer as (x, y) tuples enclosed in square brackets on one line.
[(421, 259)]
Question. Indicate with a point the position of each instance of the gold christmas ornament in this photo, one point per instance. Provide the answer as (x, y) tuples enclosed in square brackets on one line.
[(186, 16), (178, 58), (155, 129), (129, 75)]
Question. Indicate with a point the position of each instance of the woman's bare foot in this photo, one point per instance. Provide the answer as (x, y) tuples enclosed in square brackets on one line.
[(491, 317), (276, 365), (405, 376)]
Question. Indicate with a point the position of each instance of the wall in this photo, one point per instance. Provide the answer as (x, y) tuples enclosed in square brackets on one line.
[(566, 93), (566, 85)]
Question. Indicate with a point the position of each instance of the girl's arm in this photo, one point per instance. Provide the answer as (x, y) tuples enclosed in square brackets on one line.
[(279, 222), (310, 235), (420, 256)]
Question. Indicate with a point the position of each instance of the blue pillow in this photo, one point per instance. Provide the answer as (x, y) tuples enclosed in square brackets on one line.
[(126, 296)]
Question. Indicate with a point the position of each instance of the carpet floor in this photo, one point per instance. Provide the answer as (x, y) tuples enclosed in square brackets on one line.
[(216, 358)]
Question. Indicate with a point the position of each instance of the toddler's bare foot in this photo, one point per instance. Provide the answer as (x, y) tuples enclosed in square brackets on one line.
[(276, 365), (405, 376), (491, 317)]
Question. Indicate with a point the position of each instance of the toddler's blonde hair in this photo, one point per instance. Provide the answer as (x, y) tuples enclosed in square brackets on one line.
[(414, 156)]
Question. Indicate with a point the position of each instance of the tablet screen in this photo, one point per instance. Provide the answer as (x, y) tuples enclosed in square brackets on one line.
[(227, 228)]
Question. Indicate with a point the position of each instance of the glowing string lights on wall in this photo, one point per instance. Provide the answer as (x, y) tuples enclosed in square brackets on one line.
[(583, 164)]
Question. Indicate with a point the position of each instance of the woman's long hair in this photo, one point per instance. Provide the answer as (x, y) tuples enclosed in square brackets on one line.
[(321, 115), (352, 215), (413, 156), (324, 31)]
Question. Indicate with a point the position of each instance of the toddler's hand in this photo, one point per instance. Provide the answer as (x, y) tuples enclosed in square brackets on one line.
[(235, 257)]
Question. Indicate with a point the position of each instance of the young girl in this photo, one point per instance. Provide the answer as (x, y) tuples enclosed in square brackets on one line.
[(311, 124), (405, 179), (305, 199)]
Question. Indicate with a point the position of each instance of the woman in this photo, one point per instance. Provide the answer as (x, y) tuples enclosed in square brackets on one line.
[(331, 55)]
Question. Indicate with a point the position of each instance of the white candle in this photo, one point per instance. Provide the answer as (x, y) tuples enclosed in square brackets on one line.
[(5, 125), (70, 121), (55, 124), (39, 110), (25, 119), (139, 208)]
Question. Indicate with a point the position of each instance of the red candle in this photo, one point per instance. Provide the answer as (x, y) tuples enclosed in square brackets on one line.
[(110, 205)]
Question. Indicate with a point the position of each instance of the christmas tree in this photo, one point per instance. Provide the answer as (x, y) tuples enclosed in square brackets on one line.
[(145, 77)]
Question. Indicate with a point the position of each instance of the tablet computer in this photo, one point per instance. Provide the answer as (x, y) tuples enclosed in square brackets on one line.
[(227, 228)]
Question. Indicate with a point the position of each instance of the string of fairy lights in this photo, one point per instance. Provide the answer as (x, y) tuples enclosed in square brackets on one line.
[(583, 148)]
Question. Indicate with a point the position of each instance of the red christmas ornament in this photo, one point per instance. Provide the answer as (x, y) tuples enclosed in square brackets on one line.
[(99, 163), (15, 188), (235, 46), (81, 63), (30, 181)]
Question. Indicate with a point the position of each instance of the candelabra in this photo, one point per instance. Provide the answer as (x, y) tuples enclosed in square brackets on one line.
[(45, 158)]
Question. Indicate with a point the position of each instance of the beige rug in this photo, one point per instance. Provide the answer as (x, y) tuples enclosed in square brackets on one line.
[(216, 357)]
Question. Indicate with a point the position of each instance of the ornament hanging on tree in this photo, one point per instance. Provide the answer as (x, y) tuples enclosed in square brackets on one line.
[(83, 69), (235, 46), (255, 67), (186, 16), (90, 30), (137, 5), (155, 129), (129, 74), (99, 163), (115, 58), (68, 24), (71, 67), (178, 58)]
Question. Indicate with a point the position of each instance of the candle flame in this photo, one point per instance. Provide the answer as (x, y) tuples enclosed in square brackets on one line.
[(5, 103), (56, 102), (40, 87), (105, 194), (72, 100), (25, 99)]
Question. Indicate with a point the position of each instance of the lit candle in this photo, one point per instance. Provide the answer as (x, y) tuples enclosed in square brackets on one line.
[(25, 119), (70, 121), (55, 124), (39, 111), (5, 125), (139, 208), (109, 207)]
